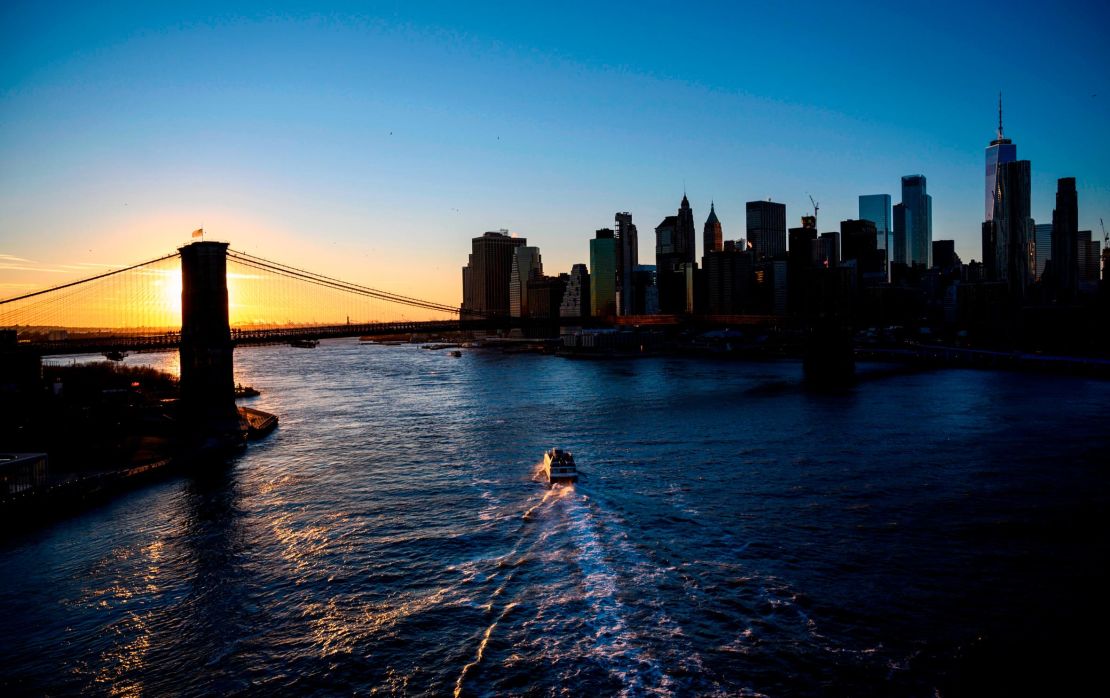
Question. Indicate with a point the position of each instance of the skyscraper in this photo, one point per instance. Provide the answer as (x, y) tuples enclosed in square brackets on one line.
[(685, 235), (628, 258), (1065, 240), (766, 223), (603, 274), (876, 208), (712, 233), (918, 212), (527, 266), (487, 273), (1001, 151), (674, 259), (898, 241), (576, 297), (1013, 251), (859, 241), (1042, 234)]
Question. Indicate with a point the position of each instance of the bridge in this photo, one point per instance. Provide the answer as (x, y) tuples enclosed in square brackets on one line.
[(205, 299)]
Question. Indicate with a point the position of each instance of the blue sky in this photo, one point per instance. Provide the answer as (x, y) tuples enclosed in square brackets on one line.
[(374, 140)]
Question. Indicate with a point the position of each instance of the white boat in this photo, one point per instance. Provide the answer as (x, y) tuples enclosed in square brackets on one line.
[(558, 466)]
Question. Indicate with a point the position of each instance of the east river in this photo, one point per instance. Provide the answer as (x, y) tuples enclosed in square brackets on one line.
[(921, 534)]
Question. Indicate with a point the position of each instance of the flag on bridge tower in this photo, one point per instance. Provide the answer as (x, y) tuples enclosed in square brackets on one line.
[(198, 233)]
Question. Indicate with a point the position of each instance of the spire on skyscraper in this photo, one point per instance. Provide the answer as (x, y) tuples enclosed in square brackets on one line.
[(1000, 115)]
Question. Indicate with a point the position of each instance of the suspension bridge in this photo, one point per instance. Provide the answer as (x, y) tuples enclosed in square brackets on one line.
[(141, 307), (204, 300)]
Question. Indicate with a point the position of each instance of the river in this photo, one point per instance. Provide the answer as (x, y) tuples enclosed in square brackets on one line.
[(932, 533)]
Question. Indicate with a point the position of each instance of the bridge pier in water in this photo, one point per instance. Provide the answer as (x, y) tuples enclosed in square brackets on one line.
[(207, 353)]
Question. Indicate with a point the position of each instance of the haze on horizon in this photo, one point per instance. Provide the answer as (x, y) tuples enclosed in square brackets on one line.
[(373, 144)]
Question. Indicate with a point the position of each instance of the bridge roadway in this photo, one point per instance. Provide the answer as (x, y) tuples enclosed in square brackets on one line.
[(170, 341)]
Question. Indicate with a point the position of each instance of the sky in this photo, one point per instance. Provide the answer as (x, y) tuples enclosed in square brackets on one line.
[(372, 141)]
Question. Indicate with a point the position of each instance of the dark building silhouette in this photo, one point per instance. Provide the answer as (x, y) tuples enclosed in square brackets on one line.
[(944, 255), (917, 211), (674, 260), (766, 227), (1065, 241), (545, 295), (603, 274), (1008, 250), (576, 295), (712, 233), (728, 274), (686, 236), (859, 241), (1001, 151), (527, 266), (799, 263), (1088, 260), (628, 258), (646, 289), (876, 208), (898, 236), (826, 250), (487, 275)]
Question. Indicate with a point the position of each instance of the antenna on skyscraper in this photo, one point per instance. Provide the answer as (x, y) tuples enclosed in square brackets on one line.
[(1000, 115)]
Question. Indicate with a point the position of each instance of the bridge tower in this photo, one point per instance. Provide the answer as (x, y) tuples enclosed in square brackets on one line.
[(207, 365)]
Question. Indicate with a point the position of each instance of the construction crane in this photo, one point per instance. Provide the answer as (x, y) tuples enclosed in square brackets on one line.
[(816, 208), (1105, 237)]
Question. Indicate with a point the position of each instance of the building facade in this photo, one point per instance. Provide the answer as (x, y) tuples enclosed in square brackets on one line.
[(1042, 241), (712, 233), (527, 266), (1001, 151), (918, 220), (487, 274), (576, 296), (628, 257), (876, 208), (766, 227), (603, 274)]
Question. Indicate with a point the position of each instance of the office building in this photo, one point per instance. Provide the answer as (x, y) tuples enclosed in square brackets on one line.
[(712, 233), (545, 296), (1065, 240), (1001, 151), (898, 236), (876, 208), (1008, 251), (603, 274), (526, 267), (860, 241), (674, 260), (728, 274), (576, 295), (1089, 260), (1042, 241), (488, 272), (826, 250), (918, 220), (628, 258), (944, 255), (766, 226)]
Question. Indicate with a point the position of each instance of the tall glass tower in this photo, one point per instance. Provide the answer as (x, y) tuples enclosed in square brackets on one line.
[(1001, 151), (918, 211), (876, 208)]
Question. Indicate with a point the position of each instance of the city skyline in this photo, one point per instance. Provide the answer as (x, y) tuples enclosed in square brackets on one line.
[(296, 132)]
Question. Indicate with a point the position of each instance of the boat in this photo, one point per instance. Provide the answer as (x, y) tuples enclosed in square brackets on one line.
[(558, 466), (115, 355), (456, 353), (304, 343)]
